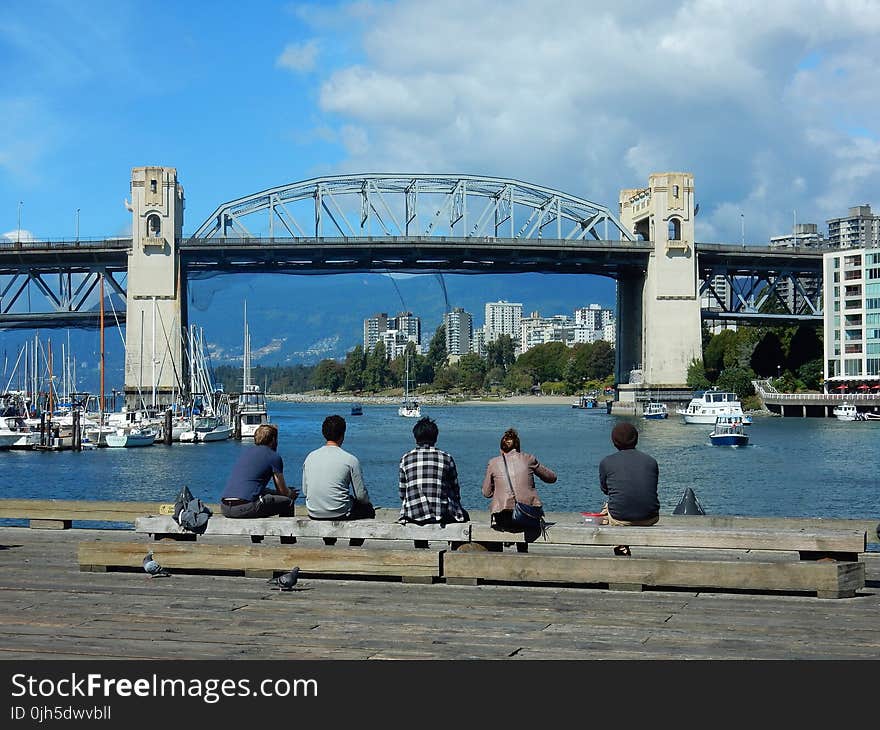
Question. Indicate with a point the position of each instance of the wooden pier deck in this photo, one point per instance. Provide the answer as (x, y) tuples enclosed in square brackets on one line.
[(51, 610)]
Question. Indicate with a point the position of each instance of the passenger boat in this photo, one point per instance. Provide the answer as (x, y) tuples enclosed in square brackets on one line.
[(357, 409), (130, 437), (846, 412), (706, 406), (729, 431), (655, 411), (586, 401)]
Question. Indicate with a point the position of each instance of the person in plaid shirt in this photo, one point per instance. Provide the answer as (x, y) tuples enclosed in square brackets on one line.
[(429, 490)]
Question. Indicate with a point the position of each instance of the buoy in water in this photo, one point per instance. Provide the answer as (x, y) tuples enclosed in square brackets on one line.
[(688, 504)]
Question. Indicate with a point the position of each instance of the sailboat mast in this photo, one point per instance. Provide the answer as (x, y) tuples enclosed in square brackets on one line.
[(101, 321)]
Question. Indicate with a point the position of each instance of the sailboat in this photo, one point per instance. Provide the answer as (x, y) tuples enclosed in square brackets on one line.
[(409, 408), (252, 410)]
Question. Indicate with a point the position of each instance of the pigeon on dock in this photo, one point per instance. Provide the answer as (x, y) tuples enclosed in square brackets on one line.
[(286, 581), (152, 567)]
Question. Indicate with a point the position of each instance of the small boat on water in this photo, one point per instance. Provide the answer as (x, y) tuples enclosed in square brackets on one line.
[(729, 431), (655, 411), (847, 412), (357, 409), (586, 401), (409, 408), (137, 436), (207, 429)]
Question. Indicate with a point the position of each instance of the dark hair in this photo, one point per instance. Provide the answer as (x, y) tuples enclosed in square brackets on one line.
[(266, 435), (425, 431), (510, 440), (333, 428), (624, 436)]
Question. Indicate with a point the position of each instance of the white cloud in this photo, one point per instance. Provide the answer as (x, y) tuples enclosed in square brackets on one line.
[(22, 235), (773, 107), (299, 57)]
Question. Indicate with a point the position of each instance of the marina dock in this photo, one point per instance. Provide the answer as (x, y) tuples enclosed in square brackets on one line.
[(52, 610)]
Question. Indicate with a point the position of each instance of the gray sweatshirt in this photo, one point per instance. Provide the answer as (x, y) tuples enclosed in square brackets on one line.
[(329, 475)]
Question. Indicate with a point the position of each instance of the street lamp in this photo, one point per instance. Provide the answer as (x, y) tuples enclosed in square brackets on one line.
[(742, 221), (18, 234), (77, 225)]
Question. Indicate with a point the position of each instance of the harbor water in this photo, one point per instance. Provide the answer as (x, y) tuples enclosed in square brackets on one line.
[(793, 467)]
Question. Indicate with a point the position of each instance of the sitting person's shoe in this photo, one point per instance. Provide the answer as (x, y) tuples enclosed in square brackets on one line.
[(622, 550)]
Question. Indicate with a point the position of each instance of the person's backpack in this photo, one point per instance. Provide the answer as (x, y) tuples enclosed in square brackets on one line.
[(190, 513)]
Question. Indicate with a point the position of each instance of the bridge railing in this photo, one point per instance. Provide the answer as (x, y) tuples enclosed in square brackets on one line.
[(44, 244)]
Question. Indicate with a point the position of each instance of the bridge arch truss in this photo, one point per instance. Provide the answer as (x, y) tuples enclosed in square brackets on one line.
[(402, 205)]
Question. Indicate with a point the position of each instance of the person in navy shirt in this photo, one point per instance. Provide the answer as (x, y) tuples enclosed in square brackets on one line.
[(247, 493)]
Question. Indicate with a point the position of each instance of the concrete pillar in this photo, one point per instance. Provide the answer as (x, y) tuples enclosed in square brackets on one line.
[(156, 316), (670, 324), (628, 336)]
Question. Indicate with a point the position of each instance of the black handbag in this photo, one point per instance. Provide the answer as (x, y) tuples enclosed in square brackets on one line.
[(525, 515)]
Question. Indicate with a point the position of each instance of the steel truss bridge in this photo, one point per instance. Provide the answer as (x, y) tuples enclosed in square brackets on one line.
[(383, 223)]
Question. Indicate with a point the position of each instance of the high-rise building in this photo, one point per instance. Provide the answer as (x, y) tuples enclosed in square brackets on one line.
[(502, 318), (374, 329), (860, 229), (459, 327), (588, 325), (409, 325), (852, 315)]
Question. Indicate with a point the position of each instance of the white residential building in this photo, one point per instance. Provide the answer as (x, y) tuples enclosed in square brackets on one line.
[(459, 327), (859, 229), (502, 318)]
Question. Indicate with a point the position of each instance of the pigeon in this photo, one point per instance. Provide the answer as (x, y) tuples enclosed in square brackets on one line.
[(152, 567), (286, 581)]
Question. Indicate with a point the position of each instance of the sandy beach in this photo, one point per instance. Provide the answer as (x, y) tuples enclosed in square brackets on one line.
[(437, 399)]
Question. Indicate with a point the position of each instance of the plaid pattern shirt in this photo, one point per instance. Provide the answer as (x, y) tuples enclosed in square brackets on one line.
[(429, 490)]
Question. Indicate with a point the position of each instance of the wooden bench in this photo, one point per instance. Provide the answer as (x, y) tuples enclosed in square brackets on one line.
[(256, 561), (59, 514), (288, 529), (825, 579), (810, 544)]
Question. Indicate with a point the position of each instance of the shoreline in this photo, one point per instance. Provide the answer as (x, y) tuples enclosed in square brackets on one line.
[(431, 399)]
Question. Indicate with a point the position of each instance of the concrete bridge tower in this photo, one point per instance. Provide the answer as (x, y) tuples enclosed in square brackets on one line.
[(659, 330), (156, 315)]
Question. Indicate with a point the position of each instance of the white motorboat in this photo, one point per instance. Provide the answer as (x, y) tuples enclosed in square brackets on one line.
[(207, 429), (706, 406), (848, 412), (729, 431)]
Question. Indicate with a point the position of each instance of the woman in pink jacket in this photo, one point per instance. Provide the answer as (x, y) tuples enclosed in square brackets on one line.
[(515, 483)]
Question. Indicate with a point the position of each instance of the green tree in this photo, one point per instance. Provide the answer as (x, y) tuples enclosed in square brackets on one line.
[(737, 380), (437, 353), (546, 362), (600, 363), (696, 375), (721, 352), (501, 352), (518, 380), (377, 374), (328, 375), (472, 371), (355, 364)]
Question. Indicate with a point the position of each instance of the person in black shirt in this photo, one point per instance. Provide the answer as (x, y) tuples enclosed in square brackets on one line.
[(629, 479)]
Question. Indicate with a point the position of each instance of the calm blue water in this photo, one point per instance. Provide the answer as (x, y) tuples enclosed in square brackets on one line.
[(793, 467)]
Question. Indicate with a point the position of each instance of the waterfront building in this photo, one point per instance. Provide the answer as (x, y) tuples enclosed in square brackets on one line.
[(459, 326), (478, 342), (502, 318), (859, 229), (374, 329), (852, 316), (405, 327), (588, 325)]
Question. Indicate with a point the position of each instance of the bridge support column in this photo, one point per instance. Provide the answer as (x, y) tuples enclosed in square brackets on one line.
[(156, 312), (669, 326)]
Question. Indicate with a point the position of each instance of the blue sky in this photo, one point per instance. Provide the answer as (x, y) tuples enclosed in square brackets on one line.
[(773, 107)]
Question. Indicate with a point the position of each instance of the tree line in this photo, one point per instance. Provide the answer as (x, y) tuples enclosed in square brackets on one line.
[(553, 367)]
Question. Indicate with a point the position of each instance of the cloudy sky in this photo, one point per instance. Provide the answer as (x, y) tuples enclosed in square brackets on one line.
[(774, 107)]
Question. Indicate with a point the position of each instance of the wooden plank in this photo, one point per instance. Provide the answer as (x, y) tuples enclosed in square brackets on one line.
[(49, 524), (217, 558), (66, 509), (304, 527), (828, 580), (742, 538)]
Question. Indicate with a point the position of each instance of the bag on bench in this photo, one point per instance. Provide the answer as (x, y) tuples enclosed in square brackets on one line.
[(525, 515)]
